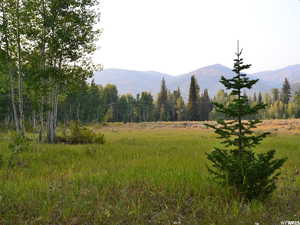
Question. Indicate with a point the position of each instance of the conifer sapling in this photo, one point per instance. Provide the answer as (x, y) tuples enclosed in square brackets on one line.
[(251, 175)]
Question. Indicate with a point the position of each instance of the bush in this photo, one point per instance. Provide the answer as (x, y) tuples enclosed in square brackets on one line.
[(18, 145), (77, 134)]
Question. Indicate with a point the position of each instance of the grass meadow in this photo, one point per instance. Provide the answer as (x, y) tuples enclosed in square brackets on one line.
[(140, 176)]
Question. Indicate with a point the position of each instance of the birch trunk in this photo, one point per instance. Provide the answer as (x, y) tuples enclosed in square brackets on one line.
[(13, 103), (10, 71), (41, 121), (52, 116), (19, 71)]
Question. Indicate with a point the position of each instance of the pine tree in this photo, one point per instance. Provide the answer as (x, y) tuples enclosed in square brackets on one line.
[(163, 94), (286, 91), (254, 97), (262, 113), (275, 94), (162, 101), (296, 100), (180, 109), (260, 101), (147, 107), (206, 105), (193, 106), (250, 175), (173, 97)]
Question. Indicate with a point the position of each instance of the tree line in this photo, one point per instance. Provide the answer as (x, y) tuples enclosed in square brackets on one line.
[(96, 103), (89, 102), (280, 103), (93, 103)]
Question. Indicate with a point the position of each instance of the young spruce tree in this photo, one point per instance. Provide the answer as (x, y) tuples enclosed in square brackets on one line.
[(250, 175)]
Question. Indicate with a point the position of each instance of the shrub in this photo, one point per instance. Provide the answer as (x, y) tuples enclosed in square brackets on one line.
[(18, 145), (81, 135), (252, 176)]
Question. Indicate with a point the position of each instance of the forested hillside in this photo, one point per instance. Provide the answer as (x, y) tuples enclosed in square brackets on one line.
[(208, 77)]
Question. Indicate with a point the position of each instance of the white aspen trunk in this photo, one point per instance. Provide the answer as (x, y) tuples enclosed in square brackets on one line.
[(11, 77), (41, 121), (49, 116), (55, 111), (12, 96), (48, 122), (51, 120), (55, 104), (53, 116), (20, 79), (43, 68)]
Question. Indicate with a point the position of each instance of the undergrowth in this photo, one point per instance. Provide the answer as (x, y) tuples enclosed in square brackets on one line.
[(78, 134)]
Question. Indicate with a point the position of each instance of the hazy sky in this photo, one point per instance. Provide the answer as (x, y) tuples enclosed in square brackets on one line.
[(178, 36)]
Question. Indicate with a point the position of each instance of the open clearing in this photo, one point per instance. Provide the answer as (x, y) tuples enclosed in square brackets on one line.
[(147, 173)]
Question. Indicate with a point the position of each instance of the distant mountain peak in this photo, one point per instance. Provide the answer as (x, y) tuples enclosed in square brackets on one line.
[(217, 66), (132, 81)]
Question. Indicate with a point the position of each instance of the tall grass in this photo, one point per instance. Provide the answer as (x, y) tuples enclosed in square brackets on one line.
[(140, 176)]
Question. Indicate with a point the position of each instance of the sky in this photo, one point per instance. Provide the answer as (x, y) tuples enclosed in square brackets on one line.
[(179, 36)]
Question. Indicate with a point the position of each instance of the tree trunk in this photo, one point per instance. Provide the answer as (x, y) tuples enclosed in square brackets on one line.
[(19, 71), (10, 71), (13, 103), (50, 119), (41, 121)]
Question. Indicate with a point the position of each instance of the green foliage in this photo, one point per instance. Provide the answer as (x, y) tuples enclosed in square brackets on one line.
[(251, 176), (205, 106), (286, 91), (18, 144), (193, 107), (81, 135), (198, 108), (162, 102)]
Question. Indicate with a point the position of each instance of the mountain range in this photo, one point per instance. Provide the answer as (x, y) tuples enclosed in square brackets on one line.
[(130, 81)]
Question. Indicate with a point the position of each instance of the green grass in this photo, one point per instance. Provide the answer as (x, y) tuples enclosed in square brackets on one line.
[(140, 176)]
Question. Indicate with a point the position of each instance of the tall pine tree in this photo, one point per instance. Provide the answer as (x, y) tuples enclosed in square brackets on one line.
[(286, 91), (205, 106), (162, 102), (193, 107)]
